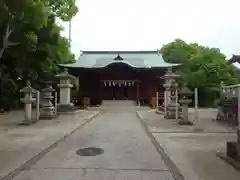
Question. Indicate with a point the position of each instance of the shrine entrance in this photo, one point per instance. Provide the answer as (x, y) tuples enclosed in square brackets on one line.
[(120, 89)]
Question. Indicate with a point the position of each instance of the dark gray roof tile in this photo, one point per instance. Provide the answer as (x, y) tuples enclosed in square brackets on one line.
[(136, 59)]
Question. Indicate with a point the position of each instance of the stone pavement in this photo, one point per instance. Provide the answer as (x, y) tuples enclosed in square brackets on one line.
[(193, 154), (19, 145), (149, 149), (128, 152)]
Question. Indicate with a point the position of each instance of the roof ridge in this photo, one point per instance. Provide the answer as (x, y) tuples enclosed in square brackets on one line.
[(121, 52)]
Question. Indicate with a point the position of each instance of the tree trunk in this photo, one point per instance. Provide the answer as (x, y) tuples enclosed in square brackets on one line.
[(1, 80)]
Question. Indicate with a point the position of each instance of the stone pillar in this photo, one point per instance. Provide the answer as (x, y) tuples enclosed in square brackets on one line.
[(184, 101), (47, 110), (27, 100), (65, 90), (184, 111), (238, 115), (167, 94), (65, 95), (37, 105), (196, 104), (55, 101), (28, 112)]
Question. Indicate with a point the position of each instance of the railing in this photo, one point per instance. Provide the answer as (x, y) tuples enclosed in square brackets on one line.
[(229, 107), (230, 91)]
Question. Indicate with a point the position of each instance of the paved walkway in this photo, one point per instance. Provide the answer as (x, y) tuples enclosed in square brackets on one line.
[(21, 145), (194, 153), (128, 152)]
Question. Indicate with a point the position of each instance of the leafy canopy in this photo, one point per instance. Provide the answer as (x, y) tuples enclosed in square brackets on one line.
[(201, 67), (31, 46)]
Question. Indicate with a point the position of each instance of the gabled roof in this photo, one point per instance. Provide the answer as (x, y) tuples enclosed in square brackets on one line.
[(135, 59), (234, 58)]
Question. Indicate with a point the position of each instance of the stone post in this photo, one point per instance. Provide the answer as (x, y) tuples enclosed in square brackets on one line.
[(37, 105), (65, 89), (27, 100), (56, 109), (165, 102), (177, 109), (198, 127), (196, 105), (47, 110), (184, 101), (238, 115)]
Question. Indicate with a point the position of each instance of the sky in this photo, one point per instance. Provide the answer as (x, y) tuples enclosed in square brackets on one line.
[(149, 24)]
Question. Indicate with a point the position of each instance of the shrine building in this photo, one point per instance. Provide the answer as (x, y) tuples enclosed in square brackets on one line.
[(119, 75)]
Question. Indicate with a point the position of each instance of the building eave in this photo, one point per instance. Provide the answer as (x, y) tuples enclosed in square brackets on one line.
[(134, 59)]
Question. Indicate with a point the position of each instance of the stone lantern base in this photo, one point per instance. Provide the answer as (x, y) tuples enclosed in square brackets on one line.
[(171, 111), (68, 108), (182, 122), (48, 112)]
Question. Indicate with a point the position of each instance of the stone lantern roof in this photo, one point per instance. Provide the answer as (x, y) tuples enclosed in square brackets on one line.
[(28, 88), (185, 91), (48, 89), (171, 75), (65, 75)]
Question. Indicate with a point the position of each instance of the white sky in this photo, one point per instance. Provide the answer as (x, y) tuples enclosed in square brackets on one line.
[(148, 24)]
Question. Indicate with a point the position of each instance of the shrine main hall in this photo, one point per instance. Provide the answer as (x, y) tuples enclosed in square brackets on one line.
[(119, 75)]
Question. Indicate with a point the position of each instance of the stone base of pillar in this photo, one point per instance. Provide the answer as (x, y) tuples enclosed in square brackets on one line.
[(47, 113), (27, 123), (185, 122), (184, 119), (171, 111), (232, 156), (63, 107), (67, 108)]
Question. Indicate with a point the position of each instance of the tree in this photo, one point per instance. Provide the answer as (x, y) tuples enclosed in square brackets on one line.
[(31, 45), (201, 67)]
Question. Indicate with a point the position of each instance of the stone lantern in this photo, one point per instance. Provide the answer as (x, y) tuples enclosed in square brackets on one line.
[(167, 86), (47, 110), (185, 101), (170, 95), (65, 86), (28, 101)]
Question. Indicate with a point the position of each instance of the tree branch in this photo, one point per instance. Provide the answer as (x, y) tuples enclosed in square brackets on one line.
[(8, 32)]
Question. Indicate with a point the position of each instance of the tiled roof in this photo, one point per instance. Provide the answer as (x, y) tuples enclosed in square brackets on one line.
[(136, 59)]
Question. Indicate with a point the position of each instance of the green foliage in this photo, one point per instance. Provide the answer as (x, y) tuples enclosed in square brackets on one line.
[(201, 67), (64, 9), (30, 42)]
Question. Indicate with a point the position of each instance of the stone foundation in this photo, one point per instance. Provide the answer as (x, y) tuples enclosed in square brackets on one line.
[(233, 150), (232, 156), (182, 122), (64, 109), (171, 111), (47, 113)]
